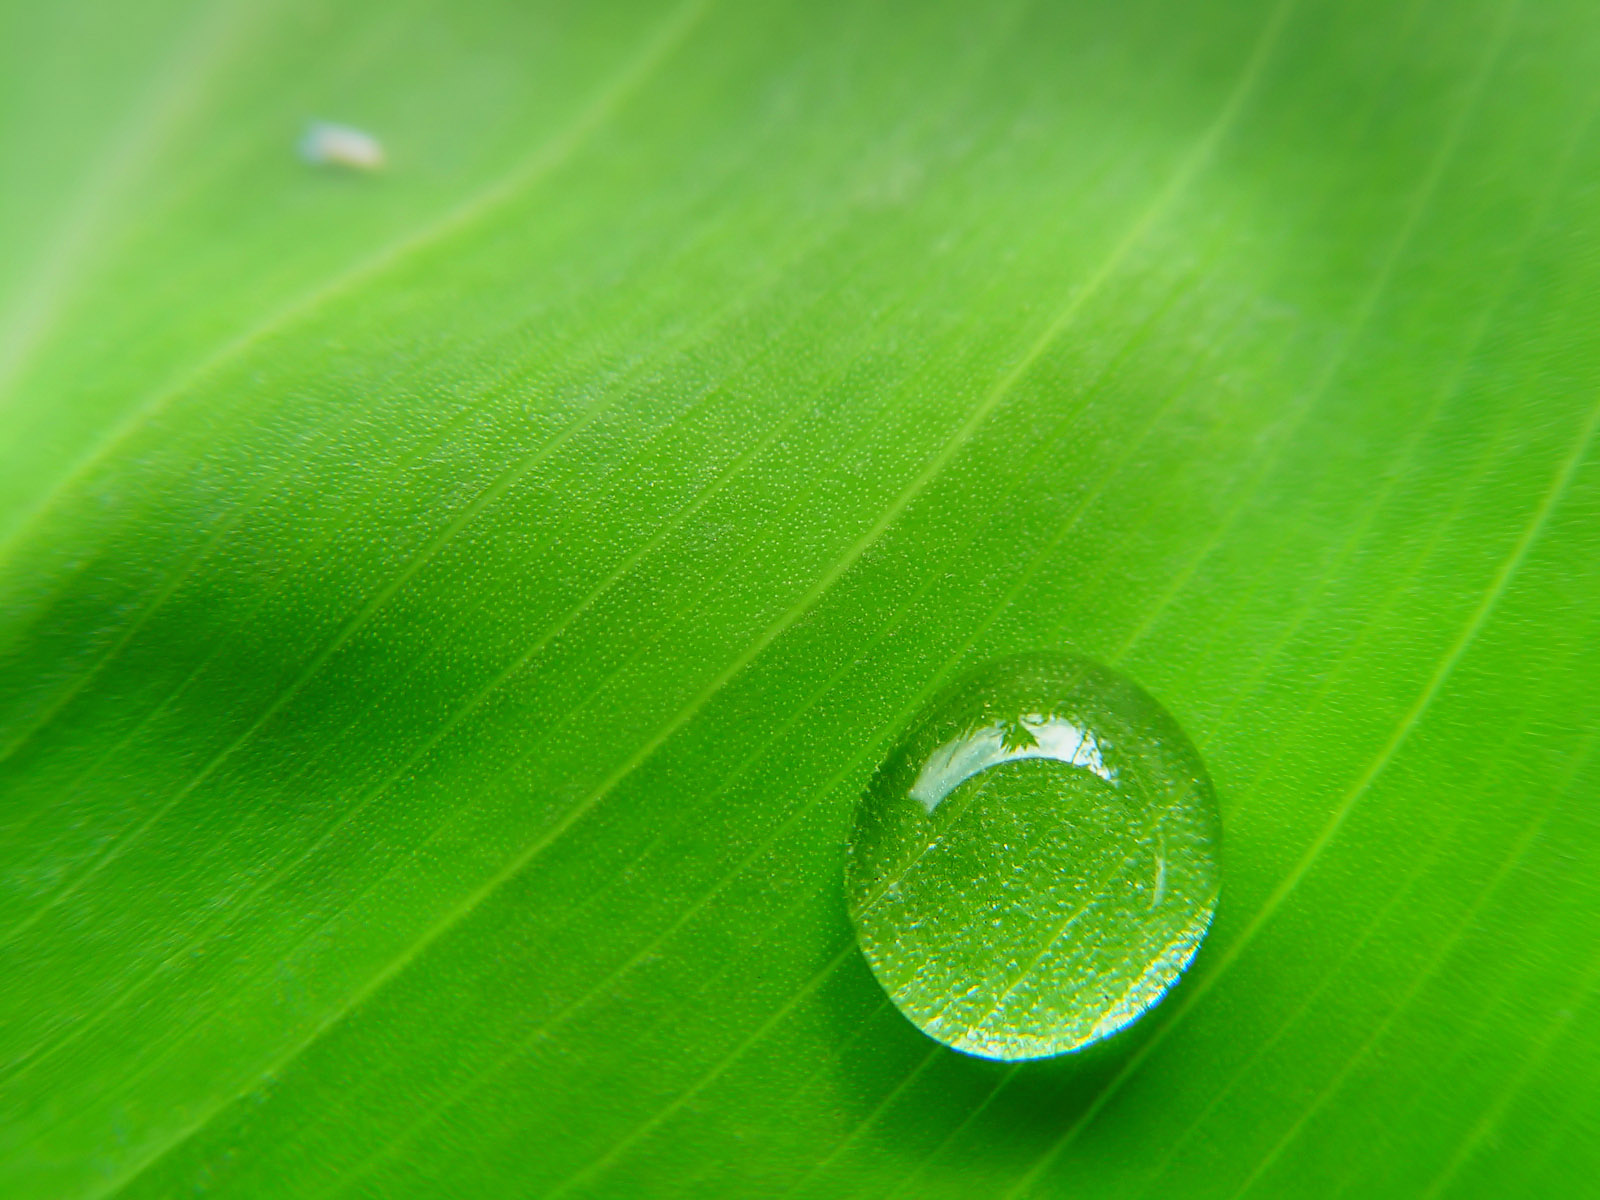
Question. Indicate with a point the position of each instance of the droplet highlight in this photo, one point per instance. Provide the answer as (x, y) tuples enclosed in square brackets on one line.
[(1036, 862)]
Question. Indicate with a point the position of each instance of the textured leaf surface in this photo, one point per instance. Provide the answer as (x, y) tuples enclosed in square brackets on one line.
[(446, 616)]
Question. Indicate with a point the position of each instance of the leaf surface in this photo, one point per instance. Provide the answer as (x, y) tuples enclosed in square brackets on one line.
[(447, 615)]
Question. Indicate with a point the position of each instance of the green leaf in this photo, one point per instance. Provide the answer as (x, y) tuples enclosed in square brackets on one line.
[(448, 613)]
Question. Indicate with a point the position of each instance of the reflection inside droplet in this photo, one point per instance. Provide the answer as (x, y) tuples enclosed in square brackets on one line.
[(1032, 735)]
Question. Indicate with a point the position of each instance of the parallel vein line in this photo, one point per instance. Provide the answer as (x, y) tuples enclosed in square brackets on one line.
[(756, 755), (533, 850), (1364, 312), (1422, 862), (1583, 994), (549, 634), (175, 86), (185, 570), (1415, 872), (1435, 175), (610, 98), (359, 997), (1450, 388), (484, 500), (869, 1119), (684, 1098), (803, 606), (667, 529), (496, 490), (1359, 320), (607, 103), (796, 612), (1447, 946), (1188, 168), (1413, 715), (1407, 723)]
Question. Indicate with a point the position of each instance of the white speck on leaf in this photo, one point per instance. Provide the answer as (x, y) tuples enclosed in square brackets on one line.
[(327, 144)]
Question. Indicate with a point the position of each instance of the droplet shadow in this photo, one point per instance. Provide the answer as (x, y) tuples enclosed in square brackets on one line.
[(937, 1110)]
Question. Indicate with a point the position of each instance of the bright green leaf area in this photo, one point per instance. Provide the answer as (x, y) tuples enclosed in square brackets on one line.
[(448, 614)]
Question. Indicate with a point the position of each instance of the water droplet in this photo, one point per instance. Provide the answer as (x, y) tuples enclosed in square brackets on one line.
[(1035, 863)]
